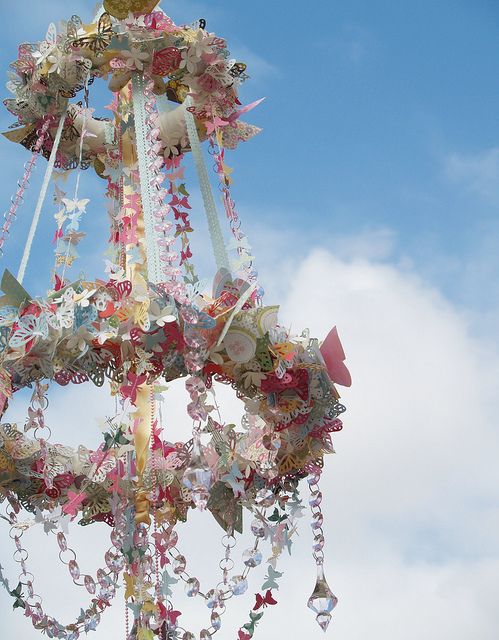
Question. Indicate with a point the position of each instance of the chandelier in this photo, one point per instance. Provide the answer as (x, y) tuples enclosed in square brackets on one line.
[(151, 321)]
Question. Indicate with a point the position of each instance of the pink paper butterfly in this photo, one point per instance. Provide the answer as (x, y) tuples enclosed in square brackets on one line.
[(334, 357)]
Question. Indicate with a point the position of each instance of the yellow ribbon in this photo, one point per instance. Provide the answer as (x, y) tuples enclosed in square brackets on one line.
[(142, 440), (144, 413)]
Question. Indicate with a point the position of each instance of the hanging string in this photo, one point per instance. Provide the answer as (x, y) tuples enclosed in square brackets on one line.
[(41, 199), (216, 236), (80, 158)]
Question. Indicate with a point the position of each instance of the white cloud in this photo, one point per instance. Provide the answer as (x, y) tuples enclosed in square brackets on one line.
[(412, 517), (476, 172)]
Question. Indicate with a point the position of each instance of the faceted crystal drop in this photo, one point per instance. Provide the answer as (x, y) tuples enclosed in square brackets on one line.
[(216, 621), (179, 564), (172, 540), (74, 569), (198, 477), (188, 636), (103, 578), (239, 585), (114, 561), (315, 499), (258, 529), (214, 598), (205, 635), (107, 592), (116, 538), (322, 601), (61, 541), (192, 587), (89, 584), (252, 557)]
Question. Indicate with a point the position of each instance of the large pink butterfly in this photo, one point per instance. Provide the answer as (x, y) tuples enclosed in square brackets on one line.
[(130, 390), (334, 357)]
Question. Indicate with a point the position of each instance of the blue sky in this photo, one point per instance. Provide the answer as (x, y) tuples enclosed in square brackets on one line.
[(378, 116), (371, 200)]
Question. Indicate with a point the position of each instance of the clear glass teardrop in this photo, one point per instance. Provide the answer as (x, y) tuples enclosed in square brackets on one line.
[(322, 601)]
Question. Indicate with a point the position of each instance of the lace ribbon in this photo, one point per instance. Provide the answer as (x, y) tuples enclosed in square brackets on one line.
[(139, 108)]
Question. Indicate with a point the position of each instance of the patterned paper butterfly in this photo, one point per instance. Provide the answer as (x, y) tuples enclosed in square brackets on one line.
[(47, 45), (166, 61), (99, 41), (25, 63), (29, 328), (72, 28)]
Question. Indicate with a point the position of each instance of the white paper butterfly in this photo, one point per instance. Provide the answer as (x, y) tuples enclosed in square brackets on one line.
[(29, 328)]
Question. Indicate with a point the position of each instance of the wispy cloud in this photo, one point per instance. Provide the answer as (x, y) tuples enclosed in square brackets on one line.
[(353, 44), (478, 173)]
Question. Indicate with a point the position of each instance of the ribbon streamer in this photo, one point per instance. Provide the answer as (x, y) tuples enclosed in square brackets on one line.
[(216, 236), (41, 199), (142, 438)]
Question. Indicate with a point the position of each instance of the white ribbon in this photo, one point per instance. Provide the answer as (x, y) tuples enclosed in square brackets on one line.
[(41, 199)]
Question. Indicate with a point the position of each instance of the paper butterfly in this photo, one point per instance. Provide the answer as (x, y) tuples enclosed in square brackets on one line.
[(334, 356), (74, 502), (166, 584), (263, 601), (25, 62), (75, 205), (73, 26), (8, 315), (48, 44), (254, 619), (166, 61), (130, 390), (113, 440), (234, 479), (270, 579), (29, 327), (99, 41), (17, 593)]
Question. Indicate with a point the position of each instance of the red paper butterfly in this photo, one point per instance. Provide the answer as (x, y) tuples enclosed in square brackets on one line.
[(263, 601), (166, 61)]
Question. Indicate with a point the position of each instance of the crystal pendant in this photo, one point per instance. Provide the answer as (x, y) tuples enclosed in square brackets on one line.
[(258, 528), (322, 601), (192, 587), (89, 584), (238, 585), (198, 478), (179, 563), (252, 558), (216, 621), (214, 598)]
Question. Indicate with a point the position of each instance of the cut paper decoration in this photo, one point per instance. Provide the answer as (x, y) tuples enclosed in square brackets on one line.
[(150, 321)]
